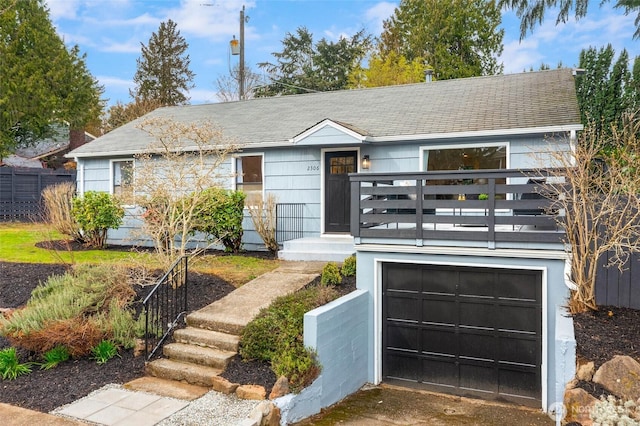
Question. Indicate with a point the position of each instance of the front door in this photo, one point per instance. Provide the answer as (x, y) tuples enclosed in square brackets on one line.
[(337, 202)]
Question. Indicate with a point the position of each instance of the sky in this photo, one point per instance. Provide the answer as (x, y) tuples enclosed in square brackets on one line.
[(110, 33)]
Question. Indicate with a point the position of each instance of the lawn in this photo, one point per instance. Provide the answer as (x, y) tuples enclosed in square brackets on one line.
[(18, 244)]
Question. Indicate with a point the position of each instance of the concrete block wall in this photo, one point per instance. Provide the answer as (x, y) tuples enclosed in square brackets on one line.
[(338, 332)]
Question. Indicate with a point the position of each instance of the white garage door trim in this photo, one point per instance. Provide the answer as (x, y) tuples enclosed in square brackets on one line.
[(377, 307)]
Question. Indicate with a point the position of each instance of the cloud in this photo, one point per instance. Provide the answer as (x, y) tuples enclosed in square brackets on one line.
[(201, 96), (128, 46), (62, 9), (377, 14), (216, 19)]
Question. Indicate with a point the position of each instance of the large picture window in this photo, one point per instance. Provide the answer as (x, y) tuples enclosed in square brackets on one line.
[(487, 157), (466, 158), (249, 175), (122, 179)]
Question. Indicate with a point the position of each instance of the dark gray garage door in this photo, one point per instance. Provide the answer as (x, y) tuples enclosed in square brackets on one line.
[(463, 330)]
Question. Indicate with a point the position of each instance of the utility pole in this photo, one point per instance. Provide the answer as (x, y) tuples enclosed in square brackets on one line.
[(241, 67)]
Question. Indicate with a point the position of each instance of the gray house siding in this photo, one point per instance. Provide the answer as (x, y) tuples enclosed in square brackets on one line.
[(294, 174)]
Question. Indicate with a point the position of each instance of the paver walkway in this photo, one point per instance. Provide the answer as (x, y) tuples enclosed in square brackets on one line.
[(114, 406)]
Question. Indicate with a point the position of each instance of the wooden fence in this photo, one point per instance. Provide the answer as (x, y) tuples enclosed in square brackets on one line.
[(616, 288), (20, 190)]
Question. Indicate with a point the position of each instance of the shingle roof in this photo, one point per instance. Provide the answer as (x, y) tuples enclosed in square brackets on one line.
[(480, 104)]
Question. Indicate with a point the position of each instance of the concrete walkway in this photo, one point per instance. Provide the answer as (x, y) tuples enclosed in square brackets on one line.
[(134, 404)]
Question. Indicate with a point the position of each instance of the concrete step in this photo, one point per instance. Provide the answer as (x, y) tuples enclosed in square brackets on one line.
[(207, 338), (327, 249), (194, 374), (197, 355), (206, 321)]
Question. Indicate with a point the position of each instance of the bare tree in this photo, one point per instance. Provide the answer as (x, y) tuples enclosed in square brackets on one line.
[(228, 87), (601, 200), (263, 216), (170, 180)]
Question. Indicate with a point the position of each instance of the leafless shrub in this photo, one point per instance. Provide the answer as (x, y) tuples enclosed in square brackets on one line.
[(57, 205), (600, 197), (263, 216)]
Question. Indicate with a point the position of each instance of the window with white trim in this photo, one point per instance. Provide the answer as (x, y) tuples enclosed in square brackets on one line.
[(122, 179), (249, 176)]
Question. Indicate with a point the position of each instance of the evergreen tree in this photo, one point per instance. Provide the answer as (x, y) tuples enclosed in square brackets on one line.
[(163, 73), (531, 12), (42, 83), (303, 66), (606, 90), (457, 38)]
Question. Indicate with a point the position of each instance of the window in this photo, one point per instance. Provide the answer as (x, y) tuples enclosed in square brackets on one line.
[(492, 156), (466, 158), (249, 175), (123, 179)]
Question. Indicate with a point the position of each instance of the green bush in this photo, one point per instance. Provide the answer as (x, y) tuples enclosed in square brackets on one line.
[(10, 365), (331, 274), (220, 216), (104, 351), (349, 266), (298, 364), (96, 213), (275, 335), (54, 356)]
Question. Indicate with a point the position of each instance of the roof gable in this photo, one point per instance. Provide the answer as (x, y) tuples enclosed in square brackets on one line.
[(329, 132)]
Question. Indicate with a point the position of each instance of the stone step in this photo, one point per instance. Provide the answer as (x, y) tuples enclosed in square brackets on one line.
[(194, 374), (204, 320), (207, 338), (170, 388), (197, 355), (334, 249)]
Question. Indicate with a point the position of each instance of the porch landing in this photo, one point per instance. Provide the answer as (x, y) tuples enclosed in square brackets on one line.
[(325, 249)]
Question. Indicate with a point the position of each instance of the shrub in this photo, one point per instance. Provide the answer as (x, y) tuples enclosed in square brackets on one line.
[(220, 215), (54, 356), (96, 213), (298, 364), (104, 351), (275, 335), (75, 310), (10, 366), (349, 266), (57, 205), (263, 216), (331, 274)]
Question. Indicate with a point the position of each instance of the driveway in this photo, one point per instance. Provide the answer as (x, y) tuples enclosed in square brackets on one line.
[(390, 405)]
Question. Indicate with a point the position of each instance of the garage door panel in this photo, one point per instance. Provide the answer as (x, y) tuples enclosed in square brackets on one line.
[(438, 280), (442, 342), (519, 383), (439, 311), (442, 373), (403, 308), (402, 367), (478, 283), (477, 314), (403, 337), (518, 285), (478, 346), (518, 318), (464, 330), (479, 378), (524, 350)]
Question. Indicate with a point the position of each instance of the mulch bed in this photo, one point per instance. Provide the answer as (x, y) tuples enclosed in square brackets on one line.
[(45, 390), (599, 335)]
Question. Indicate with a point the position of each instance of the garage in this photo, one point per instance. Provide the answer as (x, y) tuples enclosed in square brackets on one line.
[(469, 331)]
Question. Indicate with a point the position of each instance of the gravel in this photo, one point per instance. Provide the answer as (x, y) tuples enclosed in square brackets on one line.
[(214, 408)]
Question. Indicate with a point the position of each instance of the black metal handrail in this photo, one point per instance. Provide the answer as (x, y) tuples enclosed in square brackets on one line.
[(487, 204), (289, 221), (165, 305)]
